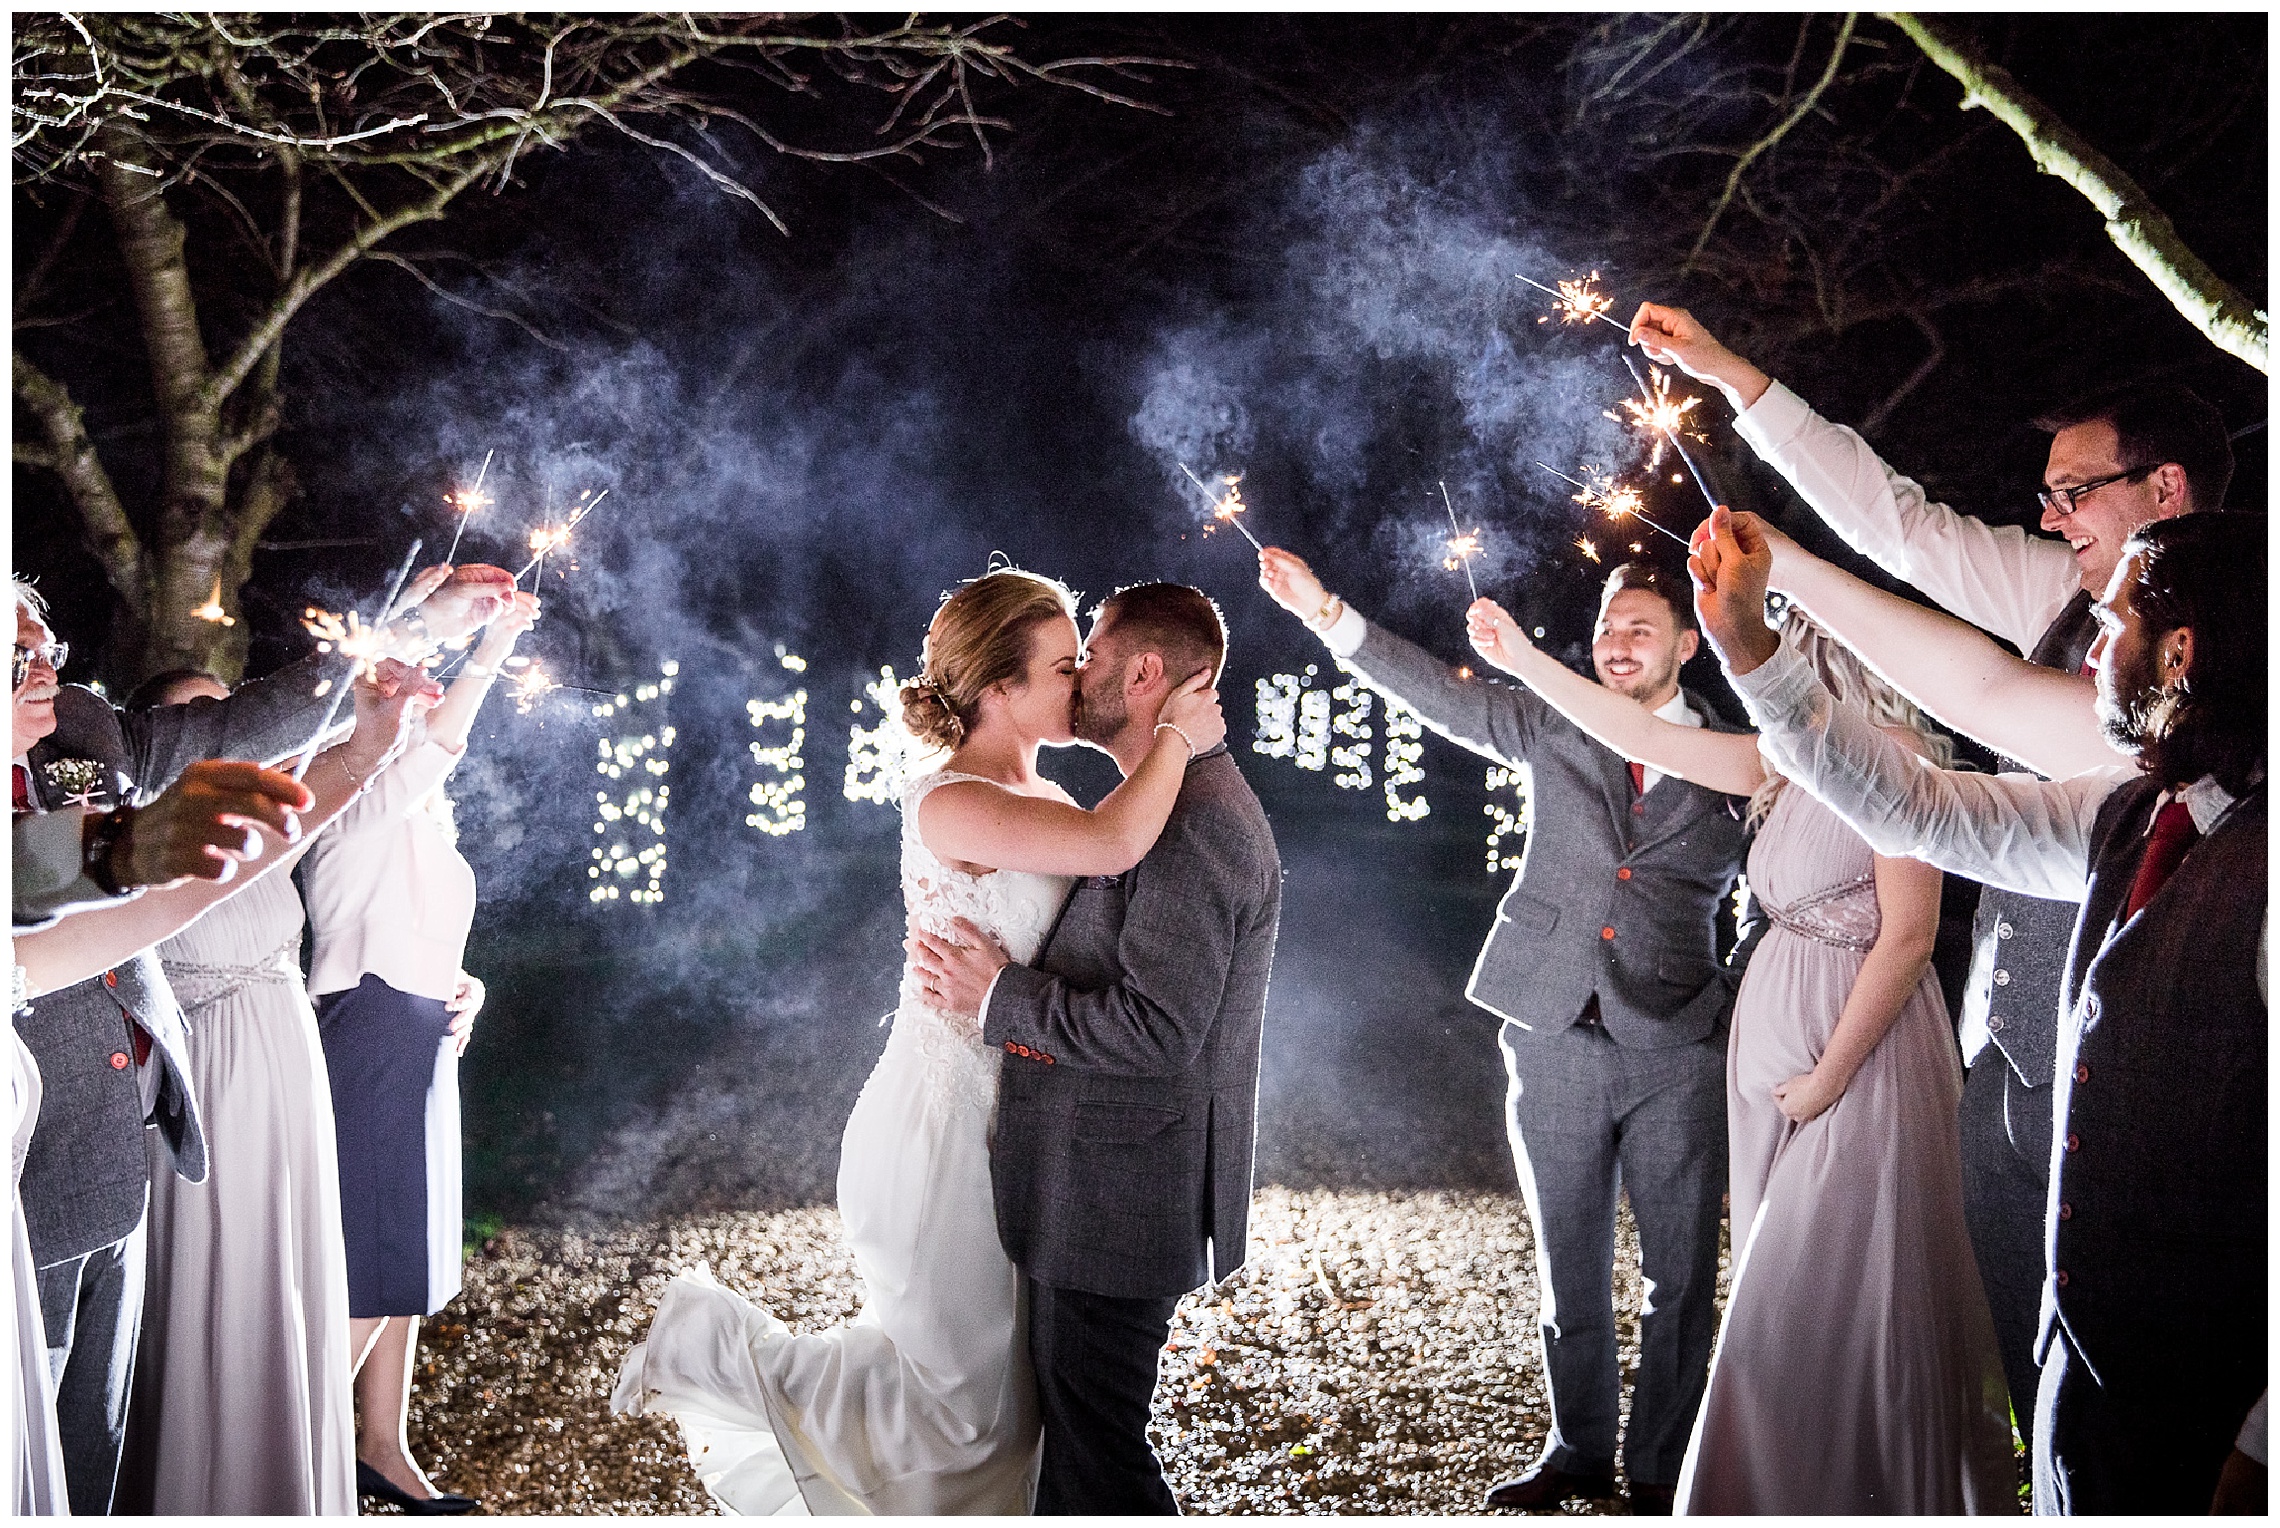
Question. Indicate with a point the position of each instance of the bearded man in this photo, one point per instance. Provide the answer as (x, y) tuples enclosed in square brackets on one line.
[(1604, 967)]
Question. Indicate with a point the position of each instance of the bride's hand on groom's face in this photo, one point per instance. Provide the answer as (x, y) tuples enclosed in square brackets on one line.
[(955, 976)]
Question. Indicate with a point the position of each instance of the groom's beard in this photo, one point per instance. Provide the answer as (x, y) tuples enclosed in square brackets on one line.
[(1098, 719)]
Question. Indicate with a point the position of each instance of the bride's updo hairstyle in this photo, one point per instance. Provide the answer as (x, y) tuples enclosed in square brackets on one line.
[(979, 637)]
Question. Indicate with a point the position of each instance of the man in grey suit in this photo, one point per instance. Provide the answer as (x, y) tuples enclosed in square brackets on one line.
[(1128, 1101), (113, 1052), (1604, 967)]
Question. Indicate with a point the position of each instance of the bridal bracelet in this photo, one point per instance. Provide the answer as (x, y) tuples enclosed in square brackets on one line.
[(1175, 727)]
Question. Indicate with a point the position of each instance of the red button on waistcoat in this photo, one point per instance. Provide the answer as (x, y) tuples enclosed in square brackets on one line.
[(2073, 1141), (1606, 933), (2062, 1278), (2066, 1212), (1623, 874), (2082, 1074), (1638, 809), (118, 1061)]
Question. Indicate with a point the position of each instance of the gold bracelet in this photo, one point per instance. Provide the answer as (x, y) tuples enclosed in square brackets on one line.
[(1323, 619)]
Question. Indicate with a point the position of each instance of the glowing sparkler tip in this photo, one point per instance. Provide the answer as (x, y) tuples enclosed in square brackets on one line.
[(1584, 545), (212, 611)]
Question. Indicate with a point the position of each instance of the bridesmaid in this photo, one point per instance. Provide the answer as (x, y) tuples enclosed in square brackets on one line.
[(1856, 1370), (392, 900)]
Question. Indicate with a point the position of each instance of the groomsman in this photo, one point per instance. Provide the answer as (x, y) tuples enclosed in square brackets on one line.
[(1603, 964), (2116, 464), (2152, 1337)]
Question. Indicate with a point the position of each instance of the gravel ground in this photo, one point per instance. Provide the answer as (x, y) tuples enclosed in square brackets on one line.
[(1377, 1355)]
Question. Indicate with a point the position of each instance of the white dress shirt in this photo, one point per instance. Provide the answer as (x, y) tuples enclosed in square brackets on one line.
[(388, 891), (1344, 638), (1997, 577), (2020, 832)]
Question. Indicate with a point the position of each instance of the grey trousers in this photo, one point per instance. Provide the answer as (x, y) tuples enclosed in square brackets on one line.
[(1587, 1115), (2005, 1129), (92, 1307)]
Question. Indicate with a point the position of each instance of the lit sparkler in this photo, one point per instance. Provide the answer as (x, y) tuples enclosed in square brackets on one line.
[(1584, 545), (1227, 505), (212, 610), (468, 502), (1578, 301), (528, 685), (1462, 544), (358, 641), (1655, 411), (552, 538), (1616, 501)]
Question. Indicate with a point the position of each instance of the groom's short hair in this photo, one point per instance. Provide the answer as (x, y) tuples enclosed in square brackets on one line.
[(1179, 624)]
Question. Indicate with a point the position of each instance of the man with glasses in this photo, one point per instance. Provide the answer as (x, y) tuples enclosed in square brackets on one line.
[(2116, 464)]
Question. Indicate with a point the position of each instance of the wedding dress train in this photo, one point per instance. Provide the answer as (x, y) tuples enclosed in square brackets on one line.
[(923, 1404)]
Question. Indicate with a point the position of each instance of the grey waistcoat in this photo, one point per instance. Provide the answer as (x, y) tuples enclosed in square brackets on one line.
[(1617, 895), (2019, 942), (2157, 1199)]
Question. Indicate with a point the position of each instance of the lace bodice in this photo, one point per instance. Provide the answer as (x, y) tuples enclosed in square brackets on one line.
[(1016, 907), (1814, 876)]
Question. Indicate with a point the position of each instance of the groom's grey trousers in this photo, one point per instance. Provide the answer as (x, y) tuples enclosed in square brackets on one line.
[(1587, 1115)]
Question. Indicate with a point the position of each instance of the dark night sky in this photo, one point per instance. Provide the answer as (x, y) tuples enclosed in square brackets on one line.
[(1301, 271)]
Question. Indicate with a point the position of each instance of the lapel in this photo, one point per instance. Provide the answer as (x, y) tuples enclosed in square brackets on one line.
[(2110, 889), (1667, 815)]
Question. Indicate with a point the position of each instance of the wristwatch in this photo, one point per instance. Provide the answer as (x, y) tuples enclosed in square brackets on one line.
[(102, 834)]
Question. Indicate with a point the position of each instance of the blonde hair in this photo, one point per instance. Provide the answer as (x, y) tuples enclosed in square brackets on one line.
[(979, 637), (1856, 687)]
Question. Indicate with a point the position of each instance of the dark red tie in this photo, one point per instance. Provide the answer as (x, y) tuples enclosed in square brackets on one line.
[(1638, 778), (21, 776), (2172, 838)]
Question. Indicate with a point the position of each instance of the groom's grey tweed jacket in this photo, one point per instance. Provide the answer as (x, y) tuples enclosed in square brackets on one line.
[(1129, 1097), (1617, 895)]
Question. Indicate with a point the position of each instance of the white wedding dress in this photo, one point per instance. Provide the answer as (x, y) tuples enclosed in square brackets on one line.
[(923, 1404)]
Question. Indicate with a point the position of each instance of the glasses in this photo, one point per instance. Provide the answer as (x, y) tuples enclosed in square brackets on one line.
[(2064, 501), (53, 654)]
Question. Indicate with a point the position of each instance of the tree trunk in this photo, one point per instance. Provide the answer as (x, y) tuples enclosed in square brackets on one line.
[(2138, 228)]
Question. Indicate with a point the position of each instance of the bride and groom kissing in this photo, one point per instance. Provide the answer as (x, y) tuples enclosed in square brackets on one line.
[(1056, 1143)]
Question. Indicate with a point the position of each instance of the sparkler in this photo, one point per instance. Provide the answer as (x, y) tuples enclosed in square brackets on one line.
[(212, 610), (1584, 545), (1611, 499), (1462, 544), (355, 639), (552, 538), (1578, 301), (1227, 505), (468, 503), (1654, 410), (528, 685)]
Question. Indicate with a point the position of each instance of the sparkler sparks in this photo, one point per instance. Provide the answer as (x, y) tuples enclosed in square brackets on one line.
[(528, 686), (1463, 544), (1584, 545), (332, 632), (468, 503), (1226, 504), (1657, 415), (1578, 301), (1613, 499), (553, 538), (212, 610)]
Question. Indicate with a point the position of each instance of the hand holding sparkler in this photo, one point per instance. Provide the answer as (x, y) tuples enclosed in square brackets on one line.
[(440, 605), (389, 695), (1673, 337), (1730, 564), (1292, 585), (1496, 636)]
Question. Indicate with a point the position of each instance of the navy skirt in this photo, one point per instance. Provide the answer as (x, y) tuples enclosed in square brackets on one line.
[(395, 1093)]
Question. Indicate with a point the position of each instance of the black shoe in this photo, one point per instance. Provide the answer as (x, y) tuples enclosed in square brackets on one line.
[(370, 1482), (1652, 1501), (1544, 1488)]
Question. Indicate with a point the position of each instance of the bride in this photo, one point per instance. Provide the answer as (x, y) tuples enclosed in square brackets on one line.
[(924, 1404)]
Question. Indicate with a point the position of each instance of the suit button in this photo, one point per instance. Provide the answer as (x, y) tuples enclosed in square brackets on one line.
[(118, 1061), (1606, 933), (1638, 809), (2082, 1073), (2002, 978), (2066, 1212), (2073, 1141), (110, 978), (2062, 1278), (2002, 930), (1048, 1060), (1623, 874), (1994, 1023), (1011, 1048)]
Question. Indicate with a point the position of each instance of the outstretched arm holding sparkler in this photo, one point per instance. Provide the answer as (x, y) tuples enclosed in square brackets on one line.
[(89, 943), (1720, 761), (450, 722)]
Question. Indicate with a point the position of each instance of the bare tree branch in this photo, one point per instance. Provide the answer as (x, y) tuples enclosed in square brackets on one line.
[(71, 454), (1750, 154), (2138, 228)]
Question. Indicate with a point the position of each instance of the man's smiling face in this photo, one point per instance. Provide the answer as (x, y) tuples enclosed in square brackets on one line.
[(2105, 518)]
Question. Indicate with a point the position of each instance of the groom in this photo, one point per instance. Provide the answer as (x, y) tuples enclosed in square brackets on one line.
[(1126, 1107)]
